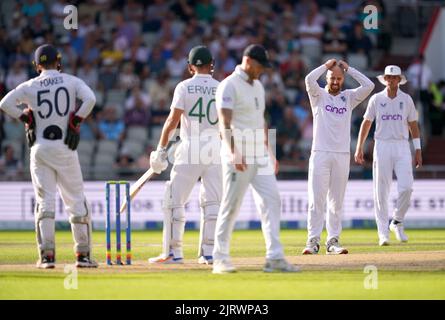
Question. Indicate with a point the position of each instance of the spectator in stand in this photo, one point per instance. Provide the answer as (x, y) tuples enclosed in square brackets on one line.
[(228, 12), (89, 75), (33, 8), (159, 90), (160, 112), (86, 25), (11, 168), (225, 63), (183, 10), (293, 69), (108, 51), (17, 55), (137, 54), (237, 41), (120, 42), (137, 107), (125, 28), (13, 129), (437, 114), (420, 76), (57, 14), (26, 43), (303, 115), (107, 76), (276, 103), (133, 11), (77, 42), (127, 78), (271, 78), (16, 76), (69, 55), (125, 164), (347, 11), (335, 41), (289, 131), (359, 42), (205, 10), (92, 49), (110, 126), (89, 130), (156, 62), (310, 32), (177, 64)]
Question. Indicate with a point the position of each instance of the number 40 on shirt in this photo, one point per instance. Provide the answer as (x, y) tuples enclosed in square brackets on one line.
[(197, 111)]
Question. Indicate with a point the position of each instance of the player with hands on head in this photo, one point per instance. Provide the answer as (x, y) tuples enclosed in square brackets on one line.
[(395, 115), (194, 106), (52, 126), (330, 154)]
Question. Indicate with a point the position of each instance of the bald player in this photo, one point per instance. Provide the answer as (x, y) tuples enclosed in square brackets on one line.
[(330, 155), (52, 128), (395, 115), (194, 106)]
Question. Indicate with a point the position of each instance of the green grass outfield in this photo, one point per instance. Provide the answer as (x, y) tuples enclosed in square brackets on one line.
[(415, 270)]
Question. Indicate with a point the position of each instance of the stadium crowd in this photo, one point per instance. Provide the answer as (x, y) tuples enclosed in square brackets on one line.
[(133, 53)]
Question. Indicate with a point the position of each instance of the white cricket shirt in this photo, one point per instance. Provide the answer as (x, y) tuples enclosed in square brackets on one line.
[(332, 114), (391, 115), (199, 121), (52, 97), (247, 102)]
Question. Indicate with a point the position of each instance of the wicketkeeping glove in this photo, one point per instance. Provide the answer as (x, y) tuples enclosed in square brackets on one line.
[(27, 118), (73, 132), (158, 160)]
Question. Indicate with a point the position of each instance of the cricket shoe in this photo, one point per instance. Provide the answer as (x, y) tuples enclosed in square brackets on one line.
[(84, 261), (334, 247), (205, 260), (384, 241), (223, 266), (46, 262), (162, 259), (399, 231), (312, 246), (279, 265)]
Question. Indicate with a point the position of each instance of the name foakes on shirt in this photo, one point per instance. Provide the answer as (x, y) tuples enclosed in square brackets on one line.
[(50, 81)]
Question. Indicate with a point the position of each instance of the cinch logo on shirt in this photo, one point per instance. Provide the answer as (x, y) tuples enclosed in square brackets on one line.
[(392, 117), (335, 109)]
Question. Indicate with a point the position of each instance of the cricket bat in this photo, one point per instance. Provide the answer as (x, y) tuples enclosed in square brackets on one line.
[(137, 186)]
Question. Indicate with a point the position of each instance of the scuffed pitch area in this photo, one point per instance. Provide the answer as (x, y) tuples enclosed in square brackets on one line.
[(408, 261)]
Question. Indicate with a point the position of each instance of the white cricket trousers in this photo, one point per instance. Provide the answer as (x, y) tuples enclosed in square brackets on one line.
[(183, 178), (391, 156), (328, 175), (267, 200), (56, 167)]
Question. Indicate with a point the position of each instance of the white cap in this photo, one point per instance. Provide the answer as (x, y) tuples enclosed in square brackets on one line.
[(392, 70)]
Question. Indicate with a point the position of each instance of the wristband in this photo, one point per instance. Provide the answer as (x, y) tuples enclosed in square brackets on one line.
[(416, 143)]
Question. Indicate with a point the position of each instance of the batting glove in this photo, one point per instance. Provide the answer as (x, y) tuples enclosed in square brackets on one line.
[(158, 160)]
